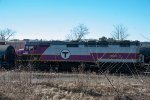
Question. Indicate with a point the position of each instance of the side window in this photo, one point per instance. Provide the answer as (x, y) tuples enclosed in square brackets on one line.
[(26, 48), (72, 45), (90, 44), (29, 48)]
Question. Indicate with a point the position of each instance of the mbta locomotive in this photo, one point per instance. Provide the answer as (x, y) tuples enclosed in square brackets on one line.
[(94, 55)]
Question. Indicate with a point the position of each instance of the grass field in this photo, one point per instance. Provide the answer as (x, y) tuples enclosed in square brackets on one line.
[(17, 85)]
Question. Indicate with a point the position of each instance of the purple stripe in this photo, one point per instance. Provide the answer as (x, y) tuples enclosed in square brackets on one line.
[(72, 57), (116, 55), (39, 50), (92, 57)]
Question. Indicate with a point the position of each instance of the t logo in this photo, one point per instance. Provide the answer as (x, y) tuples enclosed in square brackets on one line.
[(65, 54)]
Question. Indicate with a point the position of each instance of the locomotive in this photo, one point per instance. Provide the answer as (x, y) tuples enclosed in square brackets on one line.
[(94, 55)]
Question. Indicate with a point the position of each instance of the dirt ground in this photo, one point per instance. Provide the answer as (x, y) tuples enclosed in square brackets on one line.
[(16, 85)]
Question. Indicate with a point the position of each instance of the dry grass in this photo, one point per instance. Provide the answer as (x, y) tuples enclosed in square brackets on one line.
[(64, 86)]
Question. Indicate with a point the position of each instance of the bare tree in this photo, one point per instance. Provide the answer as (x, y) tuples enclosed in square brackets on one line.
[(5, 34), (69, 37), (78, 32), (120, 32)]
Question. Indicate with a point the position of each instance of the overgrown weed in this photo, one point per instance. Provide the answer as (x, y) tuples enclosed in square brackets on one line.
[(29, 85)]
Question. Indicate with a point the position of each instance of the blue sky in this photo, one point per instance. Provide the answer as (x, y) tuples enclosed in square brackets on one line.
[(53, 19)]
